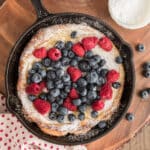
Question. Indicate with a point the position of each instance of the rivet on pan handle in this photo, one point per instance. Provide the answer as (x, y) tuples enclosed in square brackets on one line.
[(40, 10)]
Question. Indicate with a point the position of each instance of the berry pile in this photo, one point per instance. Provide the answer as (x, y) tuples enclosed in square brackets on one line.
[(70, 78)]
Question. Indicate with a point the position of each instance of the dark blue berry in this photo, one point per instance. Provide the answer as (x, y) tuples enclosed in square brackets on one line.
[(65, 61), (65, 52), (31, 97), (74, 85), (71, 117), (56, 64), (50, 98), (92, 77), (97, 58), (84, 65), (88, 54), (68, 45), (83, 92), (73, 62), (73, 34), (60, 45), (91, 95), (146, 73), (36, 78), (32, 71), (103, 72), (63, 94), (77, 102), (81, 82), (54, 107), (67, 88), (119, 60), (140, 47), (62, 110), (59, 84), (50, 84), (116, 85), (52, 116), (59, 73), (82, 108), (51, 74), (102, 62), (46, 62), (129, 116), (102, 124), (148, 90), (60, 118), (83, 99), (81, 116), (37, 65), (146, 66), (92, 62), (59, 101), (91, 87), (71, 54), (43, 96), (101, 81), (42, 72), (66, 77), (94, 114), (144, 94), (55, 92)]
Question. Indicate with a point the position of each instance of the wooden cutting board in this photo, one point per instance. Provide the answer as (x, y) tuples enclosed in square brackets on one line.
[(17, 15)]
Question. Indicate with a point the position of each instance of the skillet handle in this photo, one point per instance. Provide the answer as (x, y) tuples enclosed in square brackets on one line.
[(40, 10)]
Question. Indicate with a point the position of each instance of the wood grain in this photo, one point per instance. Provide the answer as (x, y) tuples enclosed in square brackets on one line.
[(18, 15)]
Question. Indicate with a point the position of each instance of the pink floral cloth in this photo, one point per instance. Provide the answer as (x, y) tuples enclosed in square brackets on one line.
[(13, 135)]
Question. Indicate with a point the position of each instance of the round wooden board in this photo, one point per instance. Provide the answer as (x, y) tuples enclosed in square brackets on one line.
[(18, 15)]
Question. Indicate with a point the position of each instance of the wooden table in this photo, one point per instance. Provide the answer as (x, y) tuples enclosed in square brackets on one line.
[(17, 15)]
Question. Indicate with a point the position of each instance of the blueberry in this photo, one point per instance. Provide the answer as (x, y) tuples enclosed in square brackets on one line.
[(66, 77), (119, 60), (60, 45), (51, 74), (43, 96), (59, 101), (71, 54), (148, 90), (91, 87), (91, 95), (84, 65), (62, 110), (97, 58), (46, 62), (76, 102), (50, 84), (56, 64), (146, 73), (71, 117), (129, 116), (54, 107), (82, 108), (94, 114), (59, 84), (68, 45), (73, 34), (81, 82), (42, 72), (60, 118), (83, 92), (116, 85), (77, 58), (63, 95), (102, 62), (88, 54), (52, 116), (65, 52), (81, 116), (59, 73), (32, 71), (92, 62), (31, 97), (103, 72), (73, 62), (102, 124), (140, 47), (37, 65), (144, 94), (92, 77), (36, 78), (74, 85), (50, 98), (101, 81), (67, 83), (146, 66), (95, 67), (65, 61), (67, 88), (83, 99), (55, 92)]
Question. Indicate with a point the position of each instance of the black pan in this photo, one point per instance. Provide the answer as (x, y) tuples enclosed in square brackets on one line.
[(45, 19)]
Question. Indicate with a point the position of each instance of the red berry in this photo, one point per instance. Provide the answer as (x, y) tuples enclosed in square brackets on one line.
[(75, 73), (42, 106), (105, 43), (73, 93), (78, 49), (89, 42), (98, 105), (42, 85), (112, 76), (54, 54), (40, 53), (106, 91), (68, 104), (33, 88)]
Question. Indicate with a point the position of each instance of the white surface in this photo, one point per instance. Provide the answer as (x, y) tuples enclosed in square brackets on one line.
[(130, 14)]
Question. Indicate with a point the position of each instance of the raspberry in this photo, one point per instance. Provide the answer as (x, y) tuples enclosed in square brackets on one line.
[(73, 93), (33, 88), (42, 106), (75, 73), (112, 76), (89, 42), (40, 53), (98, 105), (42, 85), (68, 104), (105, 43), (106, 91), (54, 54), (78, 49)]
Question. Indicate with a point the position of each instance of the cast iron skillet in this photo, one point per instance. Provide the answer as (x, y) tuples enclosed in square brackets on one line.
[(45, 19)]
